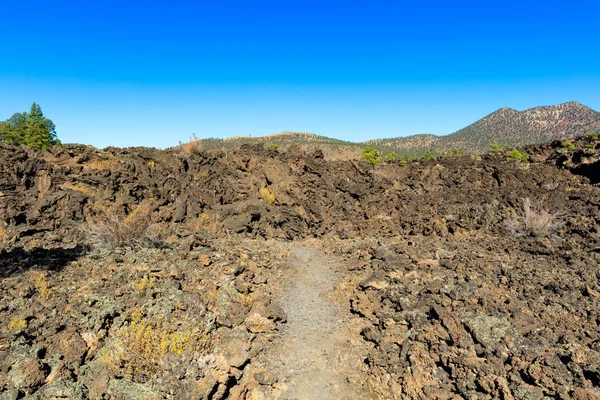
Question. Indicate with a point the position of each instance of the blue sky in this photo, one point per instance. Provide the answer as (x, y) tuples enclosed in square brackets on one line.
[(152, 73)]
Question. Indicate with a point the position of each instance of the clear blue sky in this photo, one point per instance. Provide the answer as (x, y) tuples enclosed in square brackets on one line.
[(152, 72)]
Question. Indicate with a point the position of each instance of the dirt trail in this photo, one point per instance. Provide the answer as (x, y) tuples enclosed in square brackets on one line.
[(313, 356)]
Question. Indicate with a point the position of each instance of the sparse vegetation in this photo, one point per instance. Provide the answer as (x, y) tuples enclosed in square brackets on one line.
[(16, 324), (516, 155), (103, 164), (31, 129), (138, 349), (391, 157), (592, 135), (267, 195), (444, 223), (205, 223), (428, 156), (111, 230), (454, 152), (144, 285), (495, 148), (371, 155), (533, 220), (39, 280), (568, 145), (193, 145)]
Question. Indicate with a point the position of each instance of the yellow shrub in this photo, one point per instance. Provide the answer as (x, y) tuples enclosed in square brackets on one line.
[(137, 349), (16, 324), (246, 299), (267, 195), (439, 224), (39, 280), (143, 285)]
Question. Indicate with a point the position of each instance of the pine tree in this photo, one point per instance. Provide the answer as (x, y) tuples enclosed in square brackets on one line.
[(371, 155), (31, 129)]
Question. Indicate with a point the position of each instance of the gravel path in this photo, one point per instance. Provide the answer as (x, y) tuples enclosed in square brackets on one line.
[(311, 356)]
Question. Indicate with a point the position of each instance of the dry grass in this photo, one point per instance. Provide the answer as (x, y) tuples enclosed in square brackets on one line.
[(207, 223), (533, 220), (193, 146), (268, 195), (107, 164), (81, 188), (111, 230), (138, 348), (3, 235)]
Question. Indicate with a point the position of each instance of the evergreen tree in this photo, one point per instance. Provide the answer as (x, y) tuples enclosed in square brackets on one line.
[(31, 129), (370, 155)]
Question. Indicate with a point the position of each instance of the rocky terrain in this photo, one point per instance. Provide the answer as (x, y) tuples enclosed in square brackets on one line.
[(186, 274), (506, 126)]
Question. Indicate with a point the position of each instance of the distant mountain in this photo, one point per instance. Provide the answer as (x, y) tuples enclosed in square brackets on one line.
[(506, 126)]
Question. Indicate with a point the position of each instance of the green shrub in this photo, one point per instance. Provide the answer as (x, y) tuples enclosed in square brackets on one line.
[(391, 157), (456, 152), (428, 156), (272, 147), (516, 155), (592, 135), (402, 163), (495, 148), (568, 145), (370, 155)]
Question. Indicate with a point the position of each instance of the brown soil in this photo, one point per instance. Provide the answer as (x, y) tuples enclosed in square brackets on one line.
[(400, 282)]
